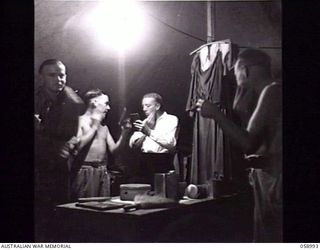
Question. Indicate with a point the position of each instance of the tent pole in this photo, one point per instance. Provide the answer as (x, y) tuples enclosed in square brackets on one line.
[(210, 24)]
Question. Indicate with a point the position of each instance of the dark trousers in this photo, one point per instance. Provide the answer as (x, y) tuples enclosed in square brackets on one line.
[(151, 163)]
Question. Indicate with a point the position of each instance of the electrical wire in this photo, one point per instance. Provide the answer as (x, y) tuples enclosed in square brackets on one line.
[(175, 29), (199, 39)]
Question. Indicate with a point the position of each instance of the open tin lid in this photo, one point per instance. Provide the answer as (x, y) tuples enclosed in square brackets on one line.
[(135, 186)]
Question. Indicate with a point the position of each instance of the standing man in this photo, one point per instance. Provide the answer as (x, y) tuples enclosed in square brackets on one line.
[(57, 107), (94, 141), (155, 138), (260, 141)]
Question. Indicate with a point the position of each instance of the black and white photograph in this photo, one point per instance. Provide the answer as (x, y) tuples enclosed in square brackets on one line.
[(129, 121), (158, 121)]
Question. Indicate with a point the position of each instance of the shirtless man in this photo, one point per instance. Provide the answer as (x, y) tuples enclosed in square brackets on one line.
[(261, 141), (93, 140)]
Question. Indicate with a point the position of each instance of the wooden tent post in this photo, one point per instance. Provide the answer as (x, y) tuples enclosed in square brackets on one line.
[(210, 24)]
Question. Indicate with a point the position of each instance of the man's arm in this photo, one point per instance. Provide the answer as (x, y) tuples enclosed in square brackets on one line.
[(137, 139), (115, 147), (86, 132), (73, 96), (84, 135), (165, 135), (247, 139)]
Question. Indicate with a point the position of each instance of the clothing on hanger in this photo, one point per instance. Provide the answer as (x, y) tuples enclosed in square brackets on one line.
[(211, 154), (208, 53)]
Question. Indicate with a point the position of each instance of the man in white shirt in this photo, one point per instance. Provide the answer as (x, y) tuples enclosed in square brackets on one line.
[(155, 138)]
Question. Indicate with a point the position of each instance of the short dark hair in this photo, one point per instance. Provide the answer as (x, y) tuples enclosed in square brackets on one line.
[(156, 96), (90, 94), (251, 57), (49, 62)]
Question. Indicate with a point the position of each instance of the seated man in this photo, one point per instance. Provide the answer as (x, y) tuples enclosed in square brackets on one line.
[(91, 177), (261, 139), (156, 138)]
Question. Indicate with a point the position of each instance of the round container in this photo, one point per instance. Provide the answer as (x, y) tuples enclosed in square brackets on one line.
[(129, 191), (197, 191)]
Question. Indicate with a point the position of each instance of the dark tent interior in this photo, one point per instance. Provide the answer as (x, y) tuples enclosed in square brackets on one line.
[(159, 62)]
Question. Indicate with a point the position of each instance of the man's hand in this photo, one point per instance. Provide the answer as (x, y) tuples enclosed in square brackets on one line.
[(151, 120), (37, 122), (138, 142), (37, 118), (199, 104), (142, 127), (69, 147), (206, 109), (126, 126)]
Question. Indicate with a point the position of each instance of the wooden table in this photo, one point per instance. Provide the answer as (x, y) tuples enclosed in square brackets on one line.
[(194, 220)]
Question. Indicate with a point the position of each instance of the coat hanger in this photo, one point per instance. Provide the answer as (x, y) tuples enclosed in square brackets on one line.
[(210, 43)]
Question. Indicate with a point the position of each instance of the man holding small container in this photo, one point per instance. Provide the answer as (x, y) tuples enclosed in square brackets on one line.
[(155, 138)]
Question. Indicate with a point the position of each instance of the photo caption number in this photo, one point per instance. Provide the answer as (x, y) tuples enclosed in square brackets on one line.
[(308, 245)]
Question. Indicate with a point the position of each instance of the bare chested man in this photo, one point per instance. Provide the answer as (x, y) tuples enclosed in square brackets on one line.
[(93, 141), (260, 141)]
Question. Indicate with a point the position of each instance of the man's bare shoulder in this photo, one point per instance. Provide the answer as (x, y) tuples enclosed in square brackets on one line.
[(272, 93), (84, 119), (273, 88), (270, 101), (172, 118)]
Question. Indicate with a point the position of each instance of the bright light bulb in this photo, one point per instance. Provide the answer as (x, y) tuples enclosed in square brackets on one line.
[(119, 25)]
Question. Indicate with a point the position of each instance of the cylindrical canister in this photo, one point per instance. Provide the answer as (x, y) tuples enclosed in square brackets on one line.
[(160, 184), (172, 185), (215, 188)]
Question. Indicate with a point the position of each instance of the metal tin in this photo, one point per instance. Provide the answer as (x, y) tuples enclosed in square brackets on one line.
[(166, 185), (129, 191)]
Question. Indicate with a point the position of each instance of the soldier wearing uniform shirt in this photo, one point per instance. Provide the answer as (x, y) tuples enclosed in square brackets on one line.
[(57, 107)]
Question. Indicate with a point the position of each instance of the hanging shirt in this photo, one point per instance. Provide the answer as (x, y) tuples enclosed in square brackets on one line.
[(211, 157)]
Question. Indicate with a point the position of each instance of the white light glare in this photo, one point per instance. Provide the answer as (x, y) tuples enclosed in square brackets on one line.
[(117, 24)]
